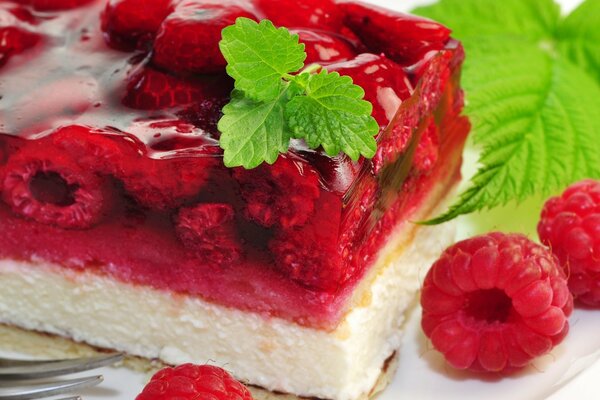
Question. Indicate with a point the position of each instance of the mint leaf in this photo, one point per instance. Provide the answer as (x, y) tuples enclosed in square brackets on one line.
[(534, 19), (253, 131), (533, 105), (274, 101), (334, 115), (579, 36), (259, 55)]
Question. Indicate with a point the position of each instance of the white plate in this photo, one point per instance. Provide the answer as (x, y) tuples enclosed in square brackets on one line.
[(569, 372)]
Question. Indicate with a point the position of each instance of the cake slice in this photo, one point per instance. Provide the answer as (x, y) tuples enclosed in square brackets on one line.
[(121, 228)]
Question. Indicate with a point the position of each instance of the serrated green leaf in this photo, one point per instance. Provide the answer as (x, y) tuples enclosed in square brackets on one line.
[(253, 132), (579, 37), (258, 55), (533, 19), (535, 117), (333, 115)]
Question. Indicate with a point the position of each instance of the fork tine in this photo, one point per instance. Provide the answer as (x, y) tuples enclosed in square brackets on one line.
[(71, 398), (51, 389), (24, 370)]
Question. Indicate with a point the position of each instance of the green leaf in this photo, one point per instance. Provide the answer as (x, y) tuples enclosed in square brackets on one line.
[(534, 19), (535, 117), (579, 37), (259, 56), (334, 115), (252, 131)]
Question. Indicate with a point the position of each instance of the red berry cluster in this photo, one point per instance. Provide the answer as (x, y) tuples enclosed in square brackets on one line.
[(194, 382)]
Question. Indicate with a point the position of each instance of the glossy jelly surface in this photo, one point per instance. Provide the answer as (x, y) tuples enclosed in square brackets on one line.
[(110, 161)]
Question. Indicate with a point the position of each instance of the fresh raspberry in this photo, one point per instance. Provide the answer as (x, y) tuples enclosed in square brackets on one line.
[(385, 83), (130, 24), (281, 194), (54, 5), (188, 40), (43, 183), (316, 14), (322, 47), (15, 40), (570, 226), (163, 184), (403, 38), (209, 231), (495, 302), (194, 382)]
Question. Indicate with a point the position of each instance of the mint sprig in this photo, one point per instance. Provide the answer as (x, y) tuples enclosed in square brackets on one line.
[(274, 101), (533, 94)]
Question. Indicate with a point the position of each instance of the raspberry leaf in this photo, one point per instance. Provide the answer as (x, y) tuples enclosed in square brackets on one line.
[(253, 131), (534, 19), (334, 115), (530, 96), (259, 55), (580, 37), (535, 121)]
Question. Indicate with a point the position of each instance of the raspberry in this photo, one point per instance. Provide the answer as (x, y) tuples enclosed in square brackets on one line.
[(570, 226), (495, 302), (209, 231), (309, 257), (322, 47), (194, 382), (385, 83), (130, 24), (15, 40), (149, 89), (46, 185), (54, 5), (164, 184), (281, 194), (188, 40), (428, 149), (403, 38), (92, 149), (318, 14)]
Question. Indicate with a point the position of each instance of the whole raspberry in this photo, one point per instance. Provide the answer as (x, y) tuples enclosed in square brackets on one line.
[(570, 226), (44, 184), (309, 257), (130, 24), (403, 38), (188, 40), (281, 194), (495, 302), (92, 149), (209, 230), (317, 14), (385, 83), (150, 89), (194, 382)]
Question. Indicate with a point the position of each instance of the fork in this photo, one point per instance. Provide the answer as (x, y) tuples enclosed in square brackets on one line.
[(25, 380)]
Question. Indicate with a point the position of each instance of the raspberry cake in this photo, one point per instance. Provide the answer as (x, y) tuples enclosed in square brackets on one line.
[(120, 226)]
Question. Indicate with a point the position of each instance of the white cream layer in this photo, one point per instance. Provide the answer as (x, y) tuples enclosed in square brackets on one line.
[(269, 352)]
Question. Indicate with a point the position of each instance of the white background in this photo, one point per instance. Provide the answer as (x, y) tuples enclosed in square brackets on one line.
[(570, 372)]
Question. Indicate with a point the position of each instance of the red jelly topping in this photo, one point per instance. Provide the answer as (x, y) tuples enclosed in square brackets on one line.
[(109, 155)]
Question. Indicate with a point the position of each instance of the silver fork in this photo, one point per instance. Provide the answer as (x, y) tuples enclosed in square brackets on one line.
[(25, 379)]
